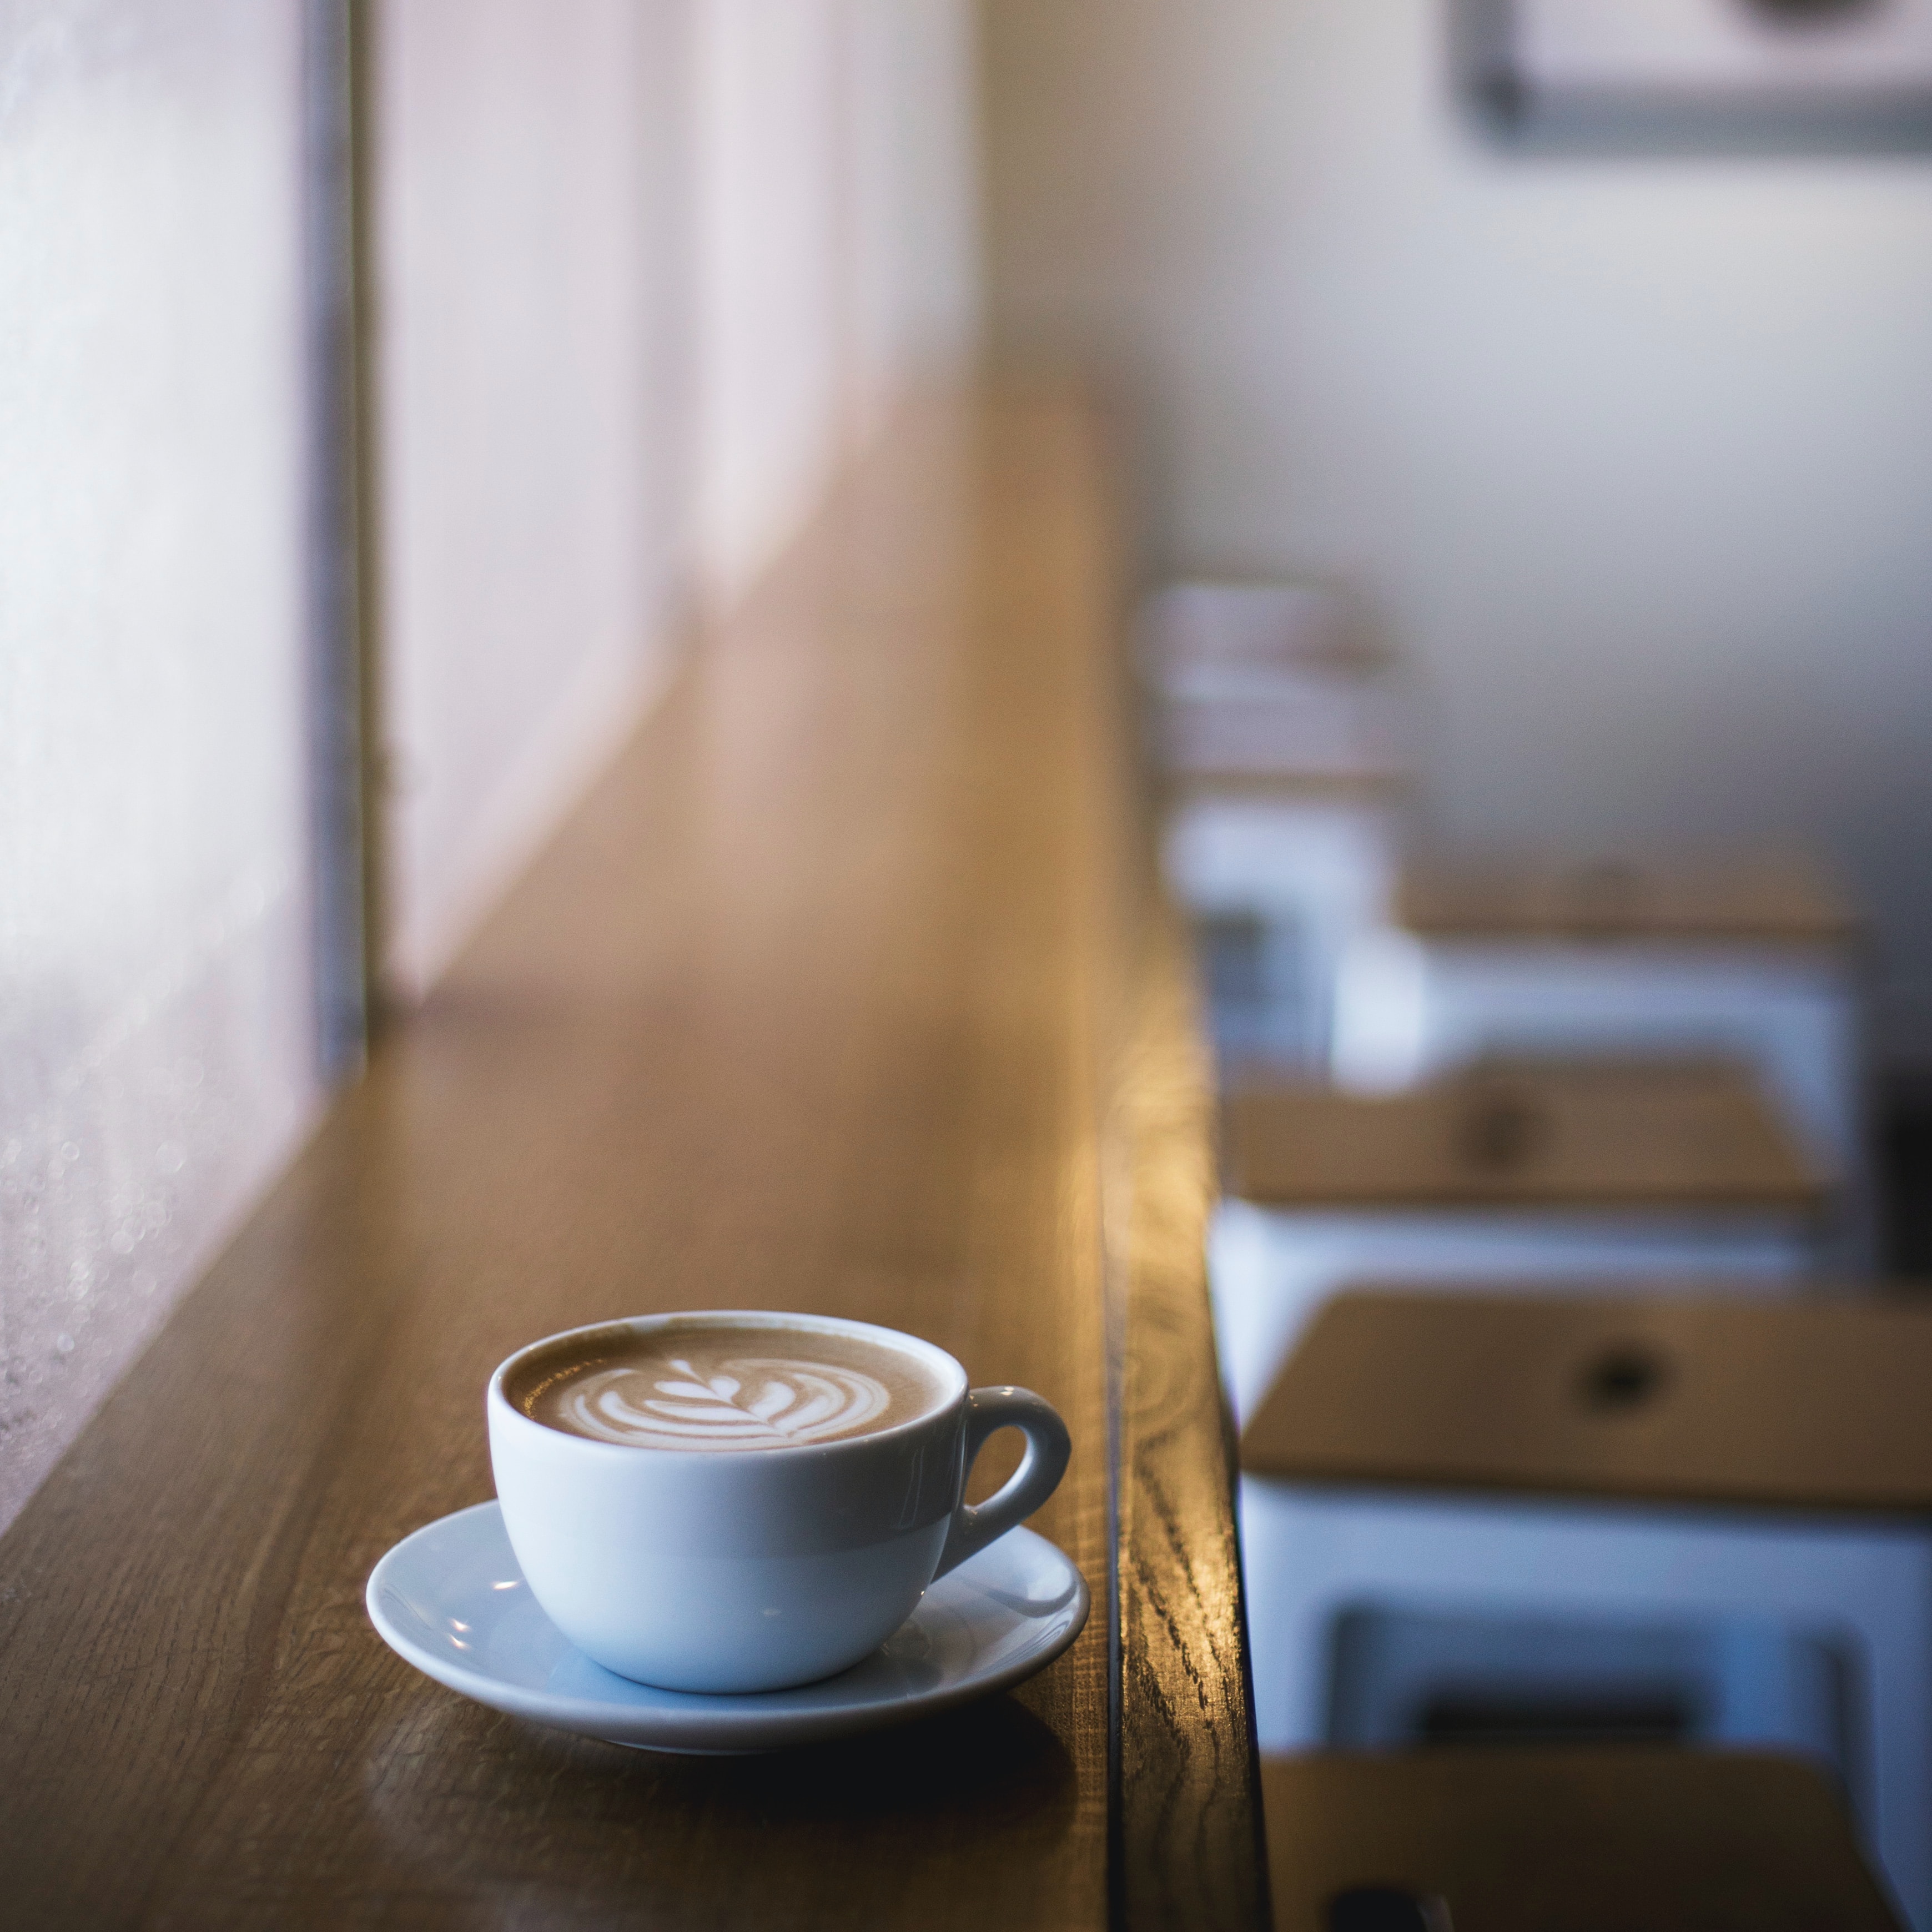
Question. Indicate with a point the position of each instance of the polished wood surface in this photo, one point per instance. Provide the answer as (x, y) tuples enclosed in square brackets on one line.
[(1774, 898), (817, 1003), (1812, 1402), (1188, 1822), (1597, 1841), (1606, 1134)]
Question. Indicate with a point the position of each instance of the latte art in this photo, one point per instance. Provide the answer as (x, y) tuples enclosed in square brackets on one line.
[(714, 1386), (747, 1402)]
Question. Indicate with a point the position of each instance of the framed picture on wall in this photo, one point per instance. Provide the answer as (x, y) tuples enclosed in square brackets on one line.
[(1757, 72)]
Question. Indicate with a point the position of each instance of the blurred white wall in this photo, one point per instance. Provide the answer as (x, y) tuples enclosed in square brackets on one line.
[(157, 1025), (837, 246), (1633, 456), (774, 253), (531, 442), (649, 269), (912, 154)]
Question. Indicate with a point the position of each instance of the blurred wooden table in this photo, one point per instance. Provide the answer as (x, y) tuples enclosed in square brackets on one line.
[(846, 990), (1601, 1135), (1597, 1840), (1768, 898), (1817, 1403)]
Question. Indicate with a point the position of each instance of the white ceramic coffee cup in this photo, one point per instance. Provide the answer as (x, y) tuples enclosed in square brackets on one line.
[(717, 1570)]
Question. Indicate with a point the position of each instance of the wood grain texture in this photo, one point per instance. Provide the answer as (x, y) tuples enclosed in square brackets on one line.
[(807, 1009), (1817, 1403), (1603, 1134), (1187, 1818), (1770, 898), (1596, 1840)]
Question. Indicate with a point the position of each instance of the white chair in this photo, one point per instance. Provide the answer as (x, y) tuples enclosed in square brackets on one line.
[(1282, 743), (1195, 630), (1463, 1512), (1307, 873), (1751, 960), (1312, 1557), (1271, 1271), (1516, 1172)]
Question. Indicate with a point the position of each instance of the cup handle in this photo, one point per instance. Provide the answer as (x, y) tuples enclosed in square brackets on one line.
[(1048, 1447)]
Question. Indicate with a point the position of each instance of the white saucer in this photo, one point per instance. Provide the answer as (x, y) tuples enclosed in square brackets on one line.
[(451, 1600)]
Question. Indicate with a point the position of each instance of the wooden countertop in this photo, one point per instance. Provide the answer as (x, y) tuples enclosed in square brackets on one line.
[(1816, 1403), (846, 990), (1779, 898), (1587, 1135)]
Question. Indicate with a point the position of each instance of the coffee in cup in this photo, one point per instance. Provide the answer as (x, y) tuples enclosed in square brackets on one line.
[(738, 1501), (722, 1387)]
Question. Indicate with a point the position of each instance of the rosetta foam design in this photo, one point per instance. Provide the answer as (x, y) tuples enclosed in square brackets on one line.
[(748, 1402)]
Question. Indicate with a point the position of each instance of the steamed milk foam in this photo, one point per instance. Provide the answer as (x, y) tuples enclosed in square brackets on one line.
[(723, 1387)]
